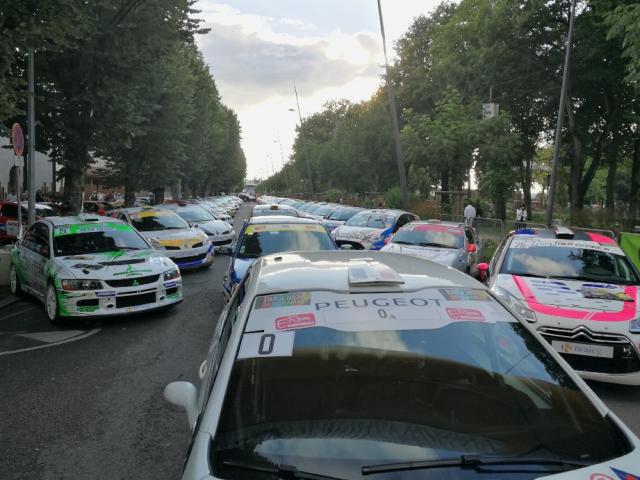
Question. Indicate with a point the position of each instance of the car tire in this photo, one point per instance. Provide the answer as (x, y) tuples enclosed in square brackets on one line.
[(51, 306), (14, 282)]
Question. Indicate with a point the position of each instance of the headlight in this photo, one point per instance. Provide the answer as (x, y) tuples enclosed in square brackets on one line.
[(516, 305), (171, 274), (81, 285), (634, 326)]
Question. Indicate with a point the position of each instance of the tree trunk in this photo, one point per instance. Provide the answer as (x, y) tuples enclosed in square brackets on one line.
[(445, 201), (76, 158), (501, 206), (612, 161), (527, 180), (158, 195), (635, 184)]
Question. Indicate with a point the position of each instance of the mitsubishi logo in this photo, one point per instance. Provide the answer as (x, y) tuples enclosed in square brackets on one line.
[(136, 283)]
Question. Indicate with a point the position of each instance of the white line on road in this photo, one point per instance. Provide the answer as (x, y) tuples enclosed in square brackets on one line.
[(49, 345), (15, 314)]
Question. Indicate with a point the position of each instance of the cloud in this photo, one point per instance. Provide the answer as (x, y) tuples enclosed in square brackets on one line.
[(249, 69)]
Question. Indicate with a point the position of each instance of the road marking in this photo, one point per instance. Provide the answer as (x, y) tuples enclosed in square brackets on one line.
[(49, 345), (52, 337), (15, 314)]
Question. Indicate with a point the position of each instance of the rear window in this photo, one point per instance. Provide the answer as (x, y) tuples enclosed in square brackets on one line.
[(568, 260), (265, 239), (329, 383), (438, 236), (343, 214)]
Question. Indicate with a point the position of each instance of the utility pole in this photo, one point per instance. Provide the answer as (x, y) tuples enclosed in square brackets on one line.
[(394, 118), (31, 138), (306, 157), (563, 93), (284, 165)]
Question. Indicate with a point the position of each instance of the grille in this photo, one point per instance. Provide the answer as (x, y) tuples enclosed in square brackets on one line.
[(354, 245), (226, 232), (92, 302), (123, 262), (193, 258), (221, 242), (132, 282), (135, 300), (625, 357), (171, 247)]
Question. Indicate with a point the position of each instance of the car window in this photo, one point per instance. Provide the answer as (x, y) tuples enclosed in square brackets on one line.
[(266, 239), (195, 214), (78, 239), (496, 255), (9, 210), (343, 214), (389, 377), (37, 239), (566, 259), (153, 220), (428, 235)]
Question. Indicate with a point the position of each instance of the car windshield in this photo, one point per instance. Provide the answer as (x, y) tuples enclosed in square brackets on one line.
[(325, 210), (328, 383), (343, 214), (79, 239), (195, 214), (265, 239), (568, 259), (371, 220), (431, 235), (152, 220)]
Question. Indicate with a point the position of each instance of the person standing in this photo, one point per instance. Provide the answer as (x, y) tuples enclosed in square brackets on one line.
[(469, 214), (521, 217)]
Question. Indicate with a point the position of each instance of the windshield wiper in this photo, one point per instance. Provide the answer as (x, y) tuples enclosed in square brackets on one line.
[(520, 464), (400, 242), (528, 274), (282, 471), (434, 244)]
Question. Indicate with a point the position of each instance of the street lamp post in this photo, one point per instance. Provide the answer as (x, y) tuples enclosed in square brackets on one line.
[(284, 165), (394, 118), (563, 93), (31, 134), (306, 157)]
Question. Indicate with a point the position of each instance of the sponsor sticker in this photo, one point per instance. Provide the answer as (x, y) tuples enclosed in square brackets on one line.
[(472, 314), (75, 229), (284, 227), (284, 300), (106, 294), (169, 284), (464, 295), (622, 475), (291, 322)]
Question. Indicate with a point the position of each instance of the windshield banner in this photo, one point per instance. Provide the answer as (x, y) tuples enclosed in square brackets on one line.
[(564, 243), (78, 228), (285, 227)]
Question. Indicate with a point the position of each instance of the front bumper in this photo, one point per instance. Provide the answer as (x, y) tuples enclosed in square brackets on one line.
[(119, 301), (222, 240), (192, 258)]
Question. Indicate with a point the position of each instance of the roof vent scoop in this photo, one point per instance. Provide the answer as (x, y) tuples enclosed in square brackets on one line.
[(563, 232), (373, 273)]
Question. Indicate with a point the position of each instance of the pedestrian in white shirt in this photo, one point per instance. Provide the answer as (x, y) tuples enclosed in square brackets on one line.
[(469, 214), (521, 217)]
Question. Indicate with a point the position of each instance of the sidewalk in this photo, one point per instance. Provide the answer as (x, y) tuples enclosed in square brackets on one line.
[(6, 299)]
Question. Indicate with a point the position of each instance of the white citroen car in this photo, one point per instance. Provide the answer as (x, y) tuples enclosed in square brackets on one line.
[(353, 365), (580, 292), (91, 265)]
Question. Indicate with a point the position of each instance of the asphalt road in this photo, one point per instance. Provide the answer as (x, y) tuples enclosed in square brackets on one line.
[(85, 401)]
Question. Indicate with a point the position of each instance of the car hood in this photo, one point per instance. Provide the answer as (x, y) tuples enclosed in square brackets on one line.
[(573, 299), (116, 264), (184, 238), (355, 233), (213, 227), (444, 256)]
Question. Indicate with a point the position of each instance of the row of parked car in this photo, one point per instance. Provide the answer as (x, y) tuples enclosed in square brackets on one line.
[(124, 261), (337, 363)]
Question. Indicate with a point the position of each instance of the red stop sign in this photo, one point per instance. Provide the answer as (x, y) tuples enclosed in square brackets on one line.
[(17, 139)]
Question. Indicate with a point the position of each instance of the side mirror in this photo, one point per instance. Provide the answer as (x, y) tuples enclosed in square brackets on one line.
[(183, 394), (345, 246), (483, 270), (471, 248)]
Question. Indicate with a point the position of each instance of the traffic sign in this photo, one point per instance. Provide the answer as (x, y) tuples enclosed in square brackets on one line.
[(17, 139)]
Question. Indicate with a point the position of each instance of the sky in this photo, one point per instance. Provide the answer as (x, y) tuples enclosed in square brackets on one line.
[(331, 49)]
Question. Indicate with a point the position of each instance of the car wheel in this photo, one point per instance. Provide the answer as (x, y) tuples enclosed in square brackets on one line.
[(14, 282), (51, 304)]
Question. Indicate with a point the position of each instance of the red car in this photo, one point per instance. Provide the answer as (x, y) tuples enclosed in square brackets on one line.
[(9, 218)]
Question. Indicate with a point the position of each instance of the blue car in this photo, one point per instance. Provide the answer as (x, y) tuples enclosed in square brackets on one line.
[(272, 234), (371, 229)]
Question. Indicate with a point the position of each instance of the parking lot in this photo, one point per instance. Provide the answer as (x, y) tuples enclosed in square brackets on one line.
[(85, 400)]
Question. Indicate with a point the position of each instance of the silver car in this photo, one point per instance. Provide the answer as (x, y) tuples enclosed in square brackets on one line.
[(353, 365)]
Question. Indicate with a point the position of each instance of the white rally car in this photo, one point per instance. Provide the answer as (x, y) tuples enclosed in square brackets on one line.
[(371, 229), (579, 291), (219, 232), (91, 265), (187, 246), (353, 365)]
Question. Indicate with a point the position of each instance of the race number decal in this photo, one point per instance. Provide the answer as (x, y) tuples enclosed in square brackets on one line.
[(266, 344)]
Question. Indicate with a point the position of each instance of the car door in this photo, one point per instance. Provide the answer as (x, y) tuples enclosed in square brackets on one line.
[(35, 252)]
